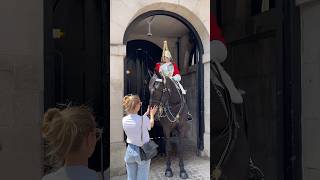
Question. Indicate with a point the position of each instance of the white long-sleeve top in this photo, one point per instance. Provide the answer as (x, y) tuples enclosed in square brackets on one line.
[(132, 127)]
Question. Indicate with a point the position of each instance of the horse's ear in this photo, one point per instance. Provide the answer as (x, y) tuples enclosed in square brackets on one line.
[(158, 74)]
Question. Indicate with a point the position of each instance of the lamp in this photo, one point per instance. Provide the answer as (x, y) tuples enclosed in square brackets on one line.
[(149, 26)]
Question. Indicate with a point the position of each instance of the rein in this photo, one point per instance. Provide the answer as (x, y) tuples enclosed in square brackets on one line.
[(231, 129)]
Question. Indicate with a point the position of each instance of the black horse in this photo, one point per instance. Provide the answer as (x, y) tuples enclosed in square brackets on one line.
[(230, 154), (172, 114)]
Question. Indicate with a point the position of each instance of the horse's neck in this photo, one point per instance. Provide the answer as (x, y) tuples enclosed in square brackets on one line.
[(175, 96)]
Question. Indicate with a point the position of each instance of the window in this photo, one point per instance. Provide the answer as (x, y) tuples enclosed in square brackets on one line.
[(194, 55), (260, 6)]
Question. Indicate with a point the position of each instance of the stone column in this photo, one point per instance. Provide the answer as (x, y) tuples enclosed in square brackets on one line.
[(206, 137), (117, 145), (21, 89), (310, 87)]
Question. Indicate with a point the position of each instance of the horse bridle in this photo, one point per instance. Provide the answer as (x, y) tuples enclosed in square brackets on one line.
[(228, 130), (165, 105)]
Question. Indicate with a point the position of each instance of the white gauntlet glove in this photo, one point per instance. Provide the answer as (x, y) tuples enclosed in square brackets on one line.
[(177, 77)]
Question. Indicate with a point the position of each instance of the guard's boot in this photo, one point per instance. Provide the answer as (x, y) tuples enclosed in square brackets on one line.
[(189, 116)]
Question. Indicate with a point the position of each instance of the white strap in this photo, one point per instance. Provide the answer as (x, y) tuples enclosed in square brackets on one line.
[(182, 89), (159, 80), (142, 129)]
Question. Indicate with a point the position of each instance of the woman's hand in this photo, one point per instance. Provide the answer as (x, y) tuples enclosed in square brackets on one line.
[(153, 110), (148, 111)]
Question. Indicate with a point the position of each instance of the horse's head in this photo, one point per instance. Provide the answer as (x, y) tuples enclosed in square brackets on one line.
[(158, 89)]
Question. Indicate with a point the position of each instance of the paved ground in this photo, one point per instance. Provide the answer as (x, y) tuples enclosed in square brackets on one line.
[(198, 168)]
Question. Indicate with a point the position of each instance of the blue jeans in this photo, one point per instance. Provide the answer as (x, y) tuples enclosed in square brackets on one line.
[(136, 169)]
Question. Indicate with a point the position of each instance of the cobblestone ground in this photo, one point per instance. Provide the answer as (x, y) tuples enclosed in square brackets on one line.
[(198, 168)]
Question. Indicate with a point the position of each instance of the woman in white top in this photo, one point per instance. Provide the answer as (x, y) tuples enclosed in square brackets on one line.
[(71, 135), (136, 169)]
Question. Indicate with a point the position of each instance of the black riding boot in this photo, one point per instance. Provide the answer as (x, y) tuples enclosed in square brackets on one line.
[(189, 116)]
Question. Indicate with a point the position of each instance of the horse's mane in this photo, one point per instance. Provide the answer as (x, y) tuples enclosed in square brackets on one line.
[(152, 81)]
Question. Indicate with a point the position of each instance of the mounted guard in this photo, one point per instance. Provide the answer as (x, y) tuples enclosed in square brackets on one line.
[(169, 69)]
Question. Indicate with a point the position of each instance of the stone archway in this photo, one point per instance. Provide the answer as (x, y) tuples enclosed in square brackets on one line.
[(196, 87), (195, 12), (119, 23), (189, 16)]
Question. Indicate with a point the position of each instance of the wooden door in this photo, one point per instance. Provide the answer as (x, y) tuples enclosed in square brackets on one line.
[(254, 42)]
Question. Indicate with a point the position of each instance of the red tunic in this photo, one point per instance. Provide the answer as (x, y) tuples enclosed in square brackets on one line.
[(175, 68), (215, 31)]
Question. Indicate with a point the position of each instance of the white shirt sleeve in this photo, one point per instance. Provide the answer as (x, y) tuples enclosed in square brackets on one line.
[(146, 122)]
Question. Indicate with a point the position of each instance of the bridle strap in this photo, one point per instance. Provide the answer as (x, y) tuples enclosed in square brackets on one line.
[(231, 121), (164, 104), (177, 116)]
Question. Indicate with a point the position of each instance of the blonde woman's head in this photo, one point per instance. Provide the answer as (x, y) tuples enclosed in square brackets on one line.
[(131, 103), (68, 131)]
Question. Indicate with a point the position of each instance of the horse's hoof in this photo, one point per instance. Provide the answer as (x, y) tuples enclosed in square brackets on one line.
[(183, 175), (169, 173)]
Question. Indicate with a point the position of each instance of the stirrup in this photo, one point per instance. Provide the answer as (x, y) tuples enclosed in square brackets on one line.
[(255, 172), (189, 116)]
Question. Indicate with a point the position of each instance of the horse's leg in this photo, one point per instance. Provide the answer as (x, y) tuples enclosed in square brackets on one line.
[(183, 172), (168, 172)]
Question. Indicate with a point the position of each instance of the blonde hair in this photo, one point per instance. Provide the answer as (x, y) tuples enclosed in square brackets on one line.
[(129, 102), (64, 131)]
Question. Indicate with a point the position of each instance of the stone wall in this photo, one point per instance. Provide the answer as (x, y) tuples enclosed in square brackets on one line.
[(21, 88), (310, 84), (117, 145)]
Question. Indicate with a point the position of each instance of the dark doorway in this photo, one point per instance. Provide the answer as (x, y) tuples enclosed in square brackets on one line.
[(260, 63), (198, 52), (140, 61), (75, 64), (255, 64)]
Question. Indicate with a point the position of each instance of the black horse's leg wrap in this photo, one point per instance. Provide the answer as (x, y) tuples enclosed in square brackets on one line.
[(168, 172), (183, 172)]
